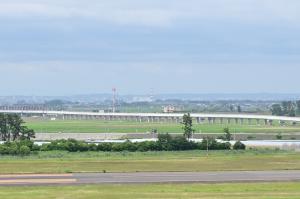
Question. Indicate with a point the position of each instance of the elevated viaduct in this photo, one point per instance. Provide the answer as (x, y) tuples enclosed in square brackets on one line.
[(158, 117)]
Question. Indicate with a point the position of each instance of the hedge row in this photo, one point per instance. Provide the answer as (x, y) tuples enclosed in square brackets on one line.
[(22, 148), (164, 143)]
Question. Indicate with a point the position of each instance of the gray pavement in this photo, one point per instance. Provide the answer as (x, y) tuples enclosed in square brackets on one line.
[(147, 177), (116, 136)]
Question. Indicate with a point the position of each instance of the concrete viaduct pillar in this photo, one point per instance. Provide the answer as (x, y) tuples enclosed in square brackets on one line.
[(236, 120)]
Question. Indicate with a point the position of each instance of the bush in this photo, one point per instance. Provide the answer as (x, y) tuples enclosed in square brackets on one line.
[(13, 148), (165, 143), (116, 147), (227, 135), (104, 147), (129, 146), (148, 146), (239, 146), (279, 136), (180, 143), (92, 147), (212, 144), (24, 150), (36, 148), (27, 143), (4, 150), (16, 148)]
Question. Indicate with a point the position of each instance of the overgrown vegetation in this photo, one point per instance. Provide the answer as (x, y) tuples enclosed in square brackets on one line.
[(165, 143), (286, 108), (15, 135), (22, 147), (239, 146), (18, 142), (187, 126)]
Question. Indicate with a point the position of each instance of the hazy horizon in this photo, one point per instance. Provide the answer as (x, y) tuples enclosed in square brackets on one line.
[(155, 94)]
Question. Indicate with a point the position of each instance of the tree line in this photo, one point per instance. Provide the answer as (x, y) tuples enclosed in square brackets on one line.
[(165, 143), (17, 141), (286, 108)]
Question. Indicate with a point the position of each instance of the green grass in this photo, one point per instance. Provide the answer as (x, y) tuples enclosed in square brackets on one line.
[(63, 162), (97, 126), (222, 191)]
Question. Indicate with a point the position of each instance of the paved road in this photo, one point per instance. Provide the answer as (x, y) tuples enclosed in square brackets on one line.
[(135, 178)]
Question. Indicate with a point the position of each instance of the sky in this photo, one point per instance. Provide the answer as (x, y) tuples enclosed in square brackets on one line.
[(66, 47)]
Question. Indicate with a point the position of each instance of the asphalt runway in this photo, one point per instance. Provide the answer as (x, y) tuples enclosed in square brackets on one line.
[(145, 177)]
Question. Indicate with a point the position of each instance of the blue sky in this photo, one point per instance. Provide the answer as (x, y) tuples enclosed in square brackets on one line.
[(62, 47)]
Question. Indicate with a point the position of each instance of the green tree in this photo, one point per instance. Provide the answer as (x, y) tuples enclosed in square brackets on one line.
[(187, 126), (277, 110), (12, 129), (231, 108), (292, 112), (4, 127), (239, 146), (288, 108), (239, 108), (26, 133), (24, 150), (298, 107), (228, 135)]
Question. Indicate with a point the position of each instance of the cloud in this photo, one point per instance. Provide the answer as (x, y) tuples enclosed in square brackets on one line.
[(155, 12), (62, 78)]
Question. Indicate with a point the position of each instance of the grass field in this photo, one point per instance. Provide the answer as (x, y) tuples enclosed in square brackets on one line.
[(245, 191), (63, 162), (96, 126)]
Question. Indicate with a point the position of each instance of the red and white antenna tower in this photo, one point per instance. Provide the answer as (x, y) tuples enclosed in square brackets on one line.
[(114, 100)]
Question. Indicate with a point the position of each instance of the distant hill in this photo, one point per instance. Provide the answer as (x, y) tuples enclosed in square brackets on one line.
[(92, 98)]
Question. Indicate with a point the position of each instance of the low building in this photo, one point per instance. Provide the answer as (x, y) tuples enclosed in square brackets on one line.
[(169, 109)]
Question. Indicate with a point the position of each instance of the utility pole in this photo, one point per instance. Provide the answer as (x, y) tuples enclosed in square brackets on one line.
[(114, 100), (207, 147)]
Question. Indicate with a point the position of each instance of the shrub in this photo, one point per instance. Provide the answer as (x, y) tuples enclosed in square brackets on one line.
[(180, 143), (12, 148), (227, 135), (92, 147), (116, 147), (36, 148), (45, 147), (148, 146), (279, 136), (104, 147), (4, 150), (27, 143), (24, 150), (15, 148), (239, 146), (165, 143), (129, 146), (224, 146), (212, 144)]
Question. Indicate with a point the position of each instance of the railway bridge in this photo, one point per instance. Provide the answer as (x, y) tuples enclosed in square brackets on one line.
[(158, 117)]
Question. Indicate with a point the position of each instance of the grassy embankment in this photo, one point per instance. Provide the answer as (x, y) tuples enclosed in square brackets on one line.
[(63, 162), (246, 191)]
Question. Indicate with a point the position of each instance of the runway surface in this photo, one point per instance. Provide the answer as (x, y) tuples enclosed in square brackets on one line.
[(136, 178)]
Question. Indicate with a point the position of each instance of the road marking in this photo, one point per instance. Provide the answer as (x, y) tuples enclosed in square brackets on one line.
[(37, 181), (34, 175)]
